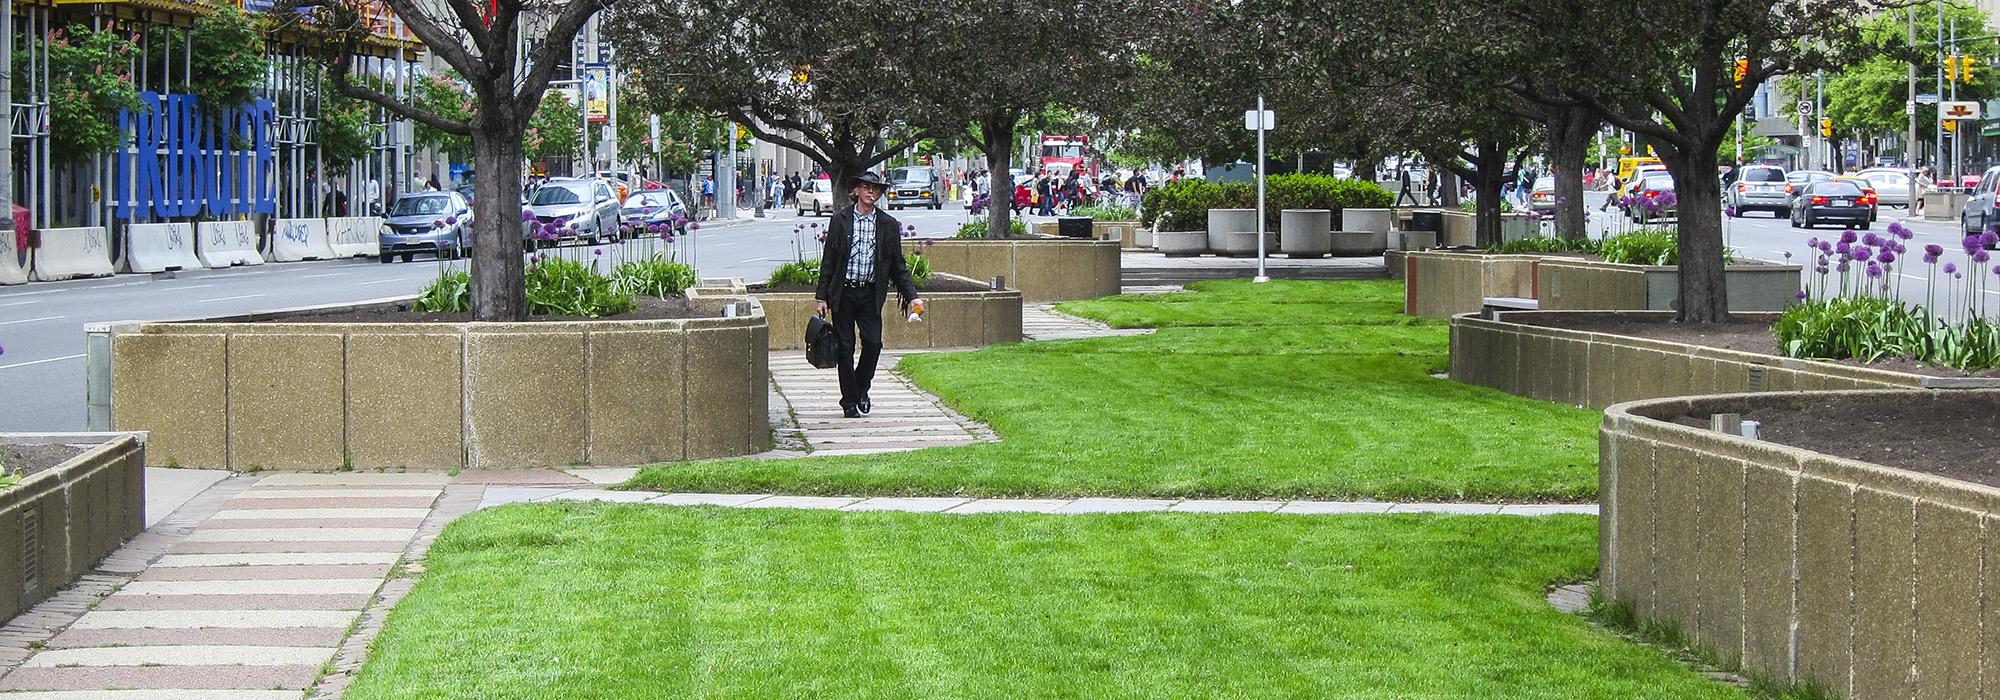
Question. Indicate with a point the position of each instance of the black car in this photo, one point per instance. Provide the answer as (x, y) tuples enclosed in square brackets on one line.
[(1829, 202)]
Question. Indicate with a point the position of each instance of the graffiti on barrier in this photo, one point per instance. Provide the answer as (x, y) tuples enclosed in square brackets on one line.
[(93, 240), (183, 160), (353, 233), (296, 232)]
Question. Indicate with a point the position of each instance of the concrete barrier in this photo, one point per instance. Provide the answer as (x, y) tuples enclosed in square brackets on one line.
[(1375, 221), (72, 253), (227, 243), (954, 320), (14, 260), (160, 247), (300, 239), (354, 236), (1797, 565), (57, 524), (242, 393), (1595, 370), (1222, 222), (1181, 244)]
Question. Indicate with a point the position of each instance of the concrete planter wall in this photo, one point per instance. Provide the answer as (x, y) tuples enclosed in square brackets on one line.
[(1181, 244), (57, 524), (953, 320), (1375, 221), (1943, 206), (1515, 227), (1596, 370), (1051, 269), (1143, 238), (1396, 261), (240, 395), (1305, 233), (1459, 229), (1440, 284), (1802, 566), (1125, 232), (1573, 284), (1222, 222)]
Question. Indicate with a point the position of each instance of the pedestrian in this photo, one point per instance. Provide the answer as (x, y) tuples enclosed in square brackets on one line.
[(862, 258), (431, 185), (371, 198), (1403, 191), (1022, 197), (1926, 183), (1616, 183)]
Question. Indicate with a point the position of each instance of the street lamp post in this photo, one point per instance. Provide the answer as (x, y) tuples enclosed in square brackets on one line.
[(1260, 120)]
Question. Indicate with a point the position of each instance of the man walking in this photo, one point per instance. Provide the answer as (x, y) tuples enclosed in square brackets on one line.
[(862, 257)]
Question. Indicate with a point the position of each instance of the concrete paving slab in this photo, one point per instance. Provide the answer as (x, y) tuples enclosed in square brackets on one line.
[(315, 513), (1227, 506), (155, 695), (186, 619), (707, 499), (262, 492), (212, 677), (1115, 505), (1538, 509), (212, 655), (909, 505), (302, 558), (334, 502), (253, 573), (601, 495), (1010, 505), (1334, 507), (805, 502), (284, 547), (344, 601), (516, 477), (269, 587), (361, 478), (356, 534), (606, 475), (169, 489), (248, 636), (310, 523), (1447, 508)]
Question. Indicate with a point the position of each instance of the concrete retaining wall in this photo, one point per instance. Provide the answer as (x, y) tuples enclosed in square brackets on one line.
[(1566, 284), (1596, 370), (1042, 269), (242, 395), (1801, 566), (1440, 284), (953, 320), (57, 524)]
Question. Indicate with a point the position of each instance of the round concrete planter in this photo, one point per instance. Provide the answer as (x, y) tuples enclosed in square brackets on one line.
[(1353, 243), (1802, 566), (1243, 244), (1375, 221), (244, 394), (1043, 269), (1143, 238), (1181, 244), (953, 319), (1303, 233), (58, 523), (1222, 222)]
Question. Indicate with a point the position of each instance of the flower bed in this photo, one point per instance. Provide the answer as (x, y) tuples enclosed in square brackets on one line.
[(60, 519), (1802, 558)]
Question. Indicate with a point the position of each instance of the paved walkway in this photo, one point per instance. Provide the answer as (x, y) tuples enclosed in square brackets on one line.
[(903, 417), (1044, 322)]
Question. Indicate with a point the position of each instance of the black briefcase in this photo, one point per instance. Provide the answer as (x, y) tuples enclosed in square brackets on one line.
[(822, 351)]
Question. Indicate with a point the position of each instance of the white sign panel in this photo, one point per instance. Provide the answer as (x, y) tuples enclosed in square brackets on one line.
[(1958, 110), (1250, 120)]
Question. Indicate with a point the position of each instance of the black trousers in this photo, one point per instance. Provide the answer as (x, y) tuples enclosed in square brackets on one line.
[(855, 309)]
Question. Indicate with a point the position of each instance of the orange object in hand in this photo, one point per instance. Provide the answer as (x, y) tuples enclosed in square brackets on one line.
[(917, 310)]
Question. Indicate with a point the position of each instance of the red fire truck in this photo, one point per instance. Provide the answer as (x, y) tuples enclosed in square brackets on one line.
[(1066, 153)]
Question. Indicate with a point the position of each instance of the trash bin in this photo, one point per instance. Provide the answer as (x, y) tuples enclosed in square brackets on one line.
[(1427, 220), (1073, 226)]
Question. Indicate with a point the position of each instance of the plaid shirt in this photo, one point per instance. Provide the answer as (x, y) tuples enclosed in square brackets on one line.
[(861, 251)]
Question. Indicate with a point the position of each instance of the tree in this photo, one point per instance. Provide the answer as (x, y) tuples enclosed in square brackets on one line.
[(555, 133), (446, 94), (1866, 97), (837, 88), (483, 42), (229, 47)]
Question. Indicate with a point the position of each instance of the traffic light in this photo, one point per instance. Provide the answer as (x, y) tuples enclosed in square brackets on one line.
[(1742, 70), (1965, 68), (1826, 127), (1951, 68), (803, 75), (1951, 125)]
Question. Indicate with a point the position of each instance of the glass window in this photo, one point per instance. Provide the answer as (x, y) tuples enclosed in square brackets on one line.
[(1837, 188), (416, 206), (559, 194), (1763, 175), (647, 199)]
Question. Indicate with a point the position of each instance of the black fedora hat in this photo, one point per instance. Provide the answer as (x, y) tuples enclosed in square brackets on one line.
[(871, 179)]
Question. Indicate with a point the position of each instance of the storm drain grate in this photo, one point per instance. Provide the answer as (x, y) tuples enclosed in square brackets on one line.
[(1756, 377), (31, 550)]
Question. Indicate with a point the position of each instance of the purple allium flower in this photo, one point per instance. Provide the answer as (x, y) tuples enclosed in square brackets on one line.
[(1844, 247), (1958, 275), (696, 226), (1822, 269), (1872, 239), (1849, 236), (1897, 229), (599, 252), (1799, 295), (1874, 271), (1788, 255), (451, 220), (1887, 256), (1861, 253), (1987, 239), (1969, 243), (527, 215), (1981, 257), (1931, 253), (1950, 268), (1812, 242)]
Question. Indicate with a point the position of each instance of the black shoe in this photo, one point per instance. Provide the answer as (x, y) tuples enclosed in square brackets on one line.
[(851, 412), (864, 406)]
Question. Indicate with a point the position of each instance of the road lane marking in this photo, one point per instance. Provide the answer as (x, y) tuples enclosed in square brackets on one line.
[(398, 279), (20, 303), (755, 260), (192, 286), (38, 362), (31, 320), (323, 274), (245, 296)]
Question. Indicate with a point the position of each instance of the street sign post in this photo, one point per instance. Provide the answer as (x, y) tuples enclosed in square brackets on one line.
[(1958, 110), (1260, 120)]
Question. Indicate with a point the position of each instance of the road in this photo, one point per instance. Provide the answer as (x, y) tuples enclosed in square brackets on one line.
[(41, 325)]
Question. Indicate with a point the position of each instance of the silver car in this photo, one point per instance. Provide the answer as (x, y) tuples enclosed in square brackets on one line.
[(1543, 197), (432, 223), (1760, 188), (584, 209), (1892, 187)]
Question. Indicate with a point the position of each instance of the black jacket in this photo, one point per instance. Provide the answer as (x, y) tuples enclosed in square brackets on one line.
[(888, 257)]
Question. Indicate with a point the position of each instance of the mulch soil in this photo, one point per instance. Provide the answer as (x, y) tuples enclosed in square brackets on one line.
[(1754, 337), (646, 308), (1952, 434), (936, 285), (36, 458)]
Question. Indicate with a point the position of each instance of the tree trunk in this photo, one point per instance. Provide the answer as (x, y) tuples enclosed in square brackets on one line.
[(1570, 129), (1490, 164), (499, 290), (1447, 189), (997, 139), (1703, 296)]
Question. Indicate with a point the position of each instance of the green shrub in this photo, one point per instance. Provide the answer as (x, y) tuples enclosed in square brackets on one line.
[(1872, 328), (1107, 212), (564, 287), (451, 292), (803, 273), (977, 228), (920, 269), (1471, 206), (1311, 191), (1545, 244), (1646, 246), (1184, 205), (655, 276)]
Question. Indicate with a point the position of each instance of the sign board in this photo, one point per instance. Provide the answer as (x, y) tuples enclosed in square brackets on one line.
[(1805, 107), (1927, 98), (1958, 110), (1251, 121), (597, 92)]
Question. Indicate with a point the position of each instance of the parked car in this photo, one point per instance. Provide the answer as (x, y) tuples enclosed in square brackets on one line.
[(914, 186), (1892, 187), (816, 196), (656, 207), (1796, 180), (1980, 210), (1829, 201), (1759, 188), (587, 202), (1868, 195), (1656, 199), (1543, 197), (412, 226)]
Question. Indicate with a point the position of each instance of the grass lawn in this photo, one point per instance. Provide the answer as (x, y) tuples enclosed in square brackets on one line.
[(633, 601), (1285, 390)]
